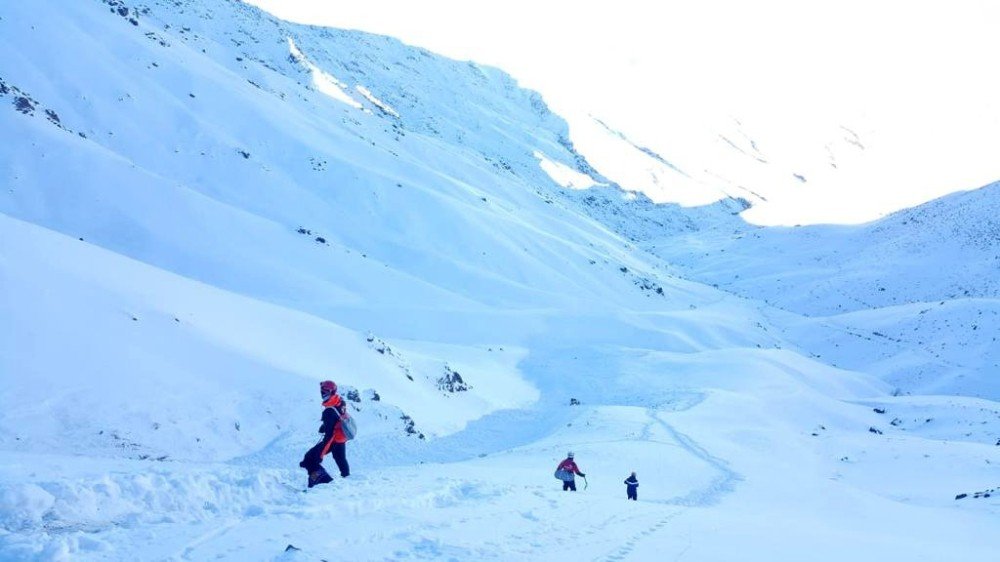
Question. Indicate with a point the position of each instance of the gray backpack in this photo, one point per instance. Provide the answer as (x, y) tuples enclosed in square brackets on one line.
[(348, 426)]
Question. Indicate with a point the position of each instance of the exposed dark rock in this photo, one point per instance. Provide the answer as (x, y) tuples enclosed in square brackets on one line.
[(451, 381), (24, 105), (410, 427)]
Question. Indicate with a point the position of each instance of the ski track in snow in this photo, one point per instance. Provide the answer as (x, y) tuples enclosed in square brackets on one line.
[(631, 542), (700, 497), (219, 529), (720, 486)]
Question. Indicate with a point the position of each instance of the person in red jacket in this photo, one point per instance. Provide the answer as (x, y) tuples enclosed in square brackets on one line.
[(334, 441), (567, 468)]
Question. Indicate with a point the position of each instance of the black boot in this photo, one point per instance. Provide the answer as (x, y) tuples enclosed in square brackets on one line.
[(319, 476)]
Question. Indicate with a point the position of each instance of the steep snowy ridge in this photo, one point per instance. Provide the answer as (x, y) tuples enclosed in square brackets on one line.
[(206, 210)]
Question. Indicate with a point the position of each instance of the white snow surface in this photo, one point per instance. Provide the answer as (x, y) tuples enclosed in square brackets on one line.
[(194, 232)]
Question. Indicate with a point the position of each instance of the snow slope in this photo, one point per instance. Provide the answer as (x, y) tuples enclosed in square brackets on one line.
[(911, 297), (946, 249), (206, 210)]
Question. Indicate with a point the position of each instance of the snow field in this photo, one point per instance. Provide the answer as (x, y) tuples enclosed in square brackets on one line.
[(222, 236)]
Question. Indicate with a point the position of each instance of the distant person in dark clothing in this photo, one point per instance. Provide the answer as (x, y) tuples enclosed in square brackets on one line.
[(632, 487), (334, 440)]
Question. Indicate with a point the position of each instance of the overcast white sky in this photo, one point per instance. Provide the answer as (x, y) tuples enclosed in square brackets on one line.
[(916, 79)]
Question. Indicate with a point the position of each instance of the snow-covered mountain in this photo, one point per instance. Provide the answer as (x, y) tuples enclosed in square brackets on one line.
[(207, 210), (912, 297), (819, 113)]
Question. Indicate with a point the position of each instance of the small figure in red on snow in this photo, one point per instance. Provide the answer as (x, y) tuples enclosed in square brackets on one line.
[(565, 471)]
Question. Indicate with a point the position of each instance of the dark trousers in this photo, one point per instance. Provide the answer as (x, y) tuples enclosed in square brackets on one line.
[(314, 457), (569, 485), (633, 493), (339, 453)]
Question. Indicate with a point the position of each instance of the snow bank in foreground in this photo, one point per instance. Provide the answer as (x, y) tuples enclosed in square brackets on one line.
[(151, 495), (65, 518)]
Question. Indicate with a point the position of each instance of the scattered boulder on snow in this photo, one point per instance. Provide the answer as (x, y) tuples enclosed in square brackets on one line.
[(383, 348), (24, 105), (978, 495), (410, 426), (451, 381), (292, 553), (379, 345), (318, 165), (123, 11)]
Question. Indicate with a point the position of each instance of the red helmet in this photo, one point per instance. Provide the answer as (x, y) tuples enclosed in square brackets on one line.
[(327, 388)]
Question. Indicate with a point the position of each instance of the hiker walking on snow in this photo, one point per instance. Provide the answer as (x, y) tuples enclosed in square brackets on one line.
[(565, 471), (632, 487), (334, 440)]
